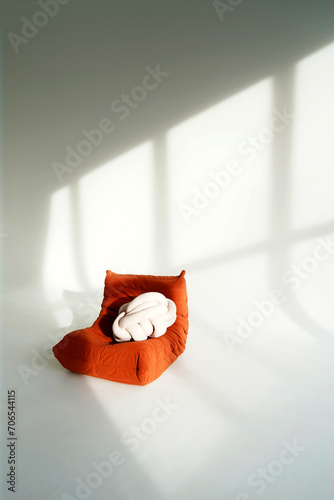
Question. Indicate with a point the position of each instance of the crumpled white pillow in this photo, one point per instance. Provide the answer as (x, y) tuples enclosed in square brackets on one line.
[(148, 315)]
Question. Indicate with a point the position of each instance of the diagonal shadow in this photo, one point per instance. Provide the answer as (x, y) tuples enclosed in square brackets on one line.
[(281, 209)]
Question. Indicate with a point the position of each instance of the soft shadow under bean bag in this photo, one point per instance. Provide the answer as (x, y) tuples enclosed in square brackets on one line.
[(93, 350)]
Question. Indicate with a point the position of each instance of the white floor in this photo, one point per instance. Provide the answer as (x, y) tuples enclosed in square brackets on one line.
[(214, 426)]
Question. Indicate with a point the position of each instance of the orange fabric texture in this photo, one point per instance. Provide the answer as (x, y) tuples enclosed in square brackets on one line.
[(93, 351)]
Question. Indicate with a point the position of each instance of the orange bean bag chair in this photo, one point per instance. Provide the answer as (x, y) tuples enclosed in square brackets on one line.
[(94, 351)]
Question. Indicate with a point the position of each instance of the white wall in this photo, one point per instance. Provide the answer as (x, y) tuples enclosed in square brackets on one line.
[(120, 208)]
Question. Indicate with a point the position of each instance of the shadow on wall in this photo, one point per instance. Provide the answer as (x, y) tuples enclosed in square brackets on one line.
[(128, 98), (190, 152)]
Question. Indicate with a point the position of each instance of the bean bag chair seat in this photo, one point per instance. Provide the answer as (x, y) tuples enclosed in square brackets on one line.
[(94, 351)]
